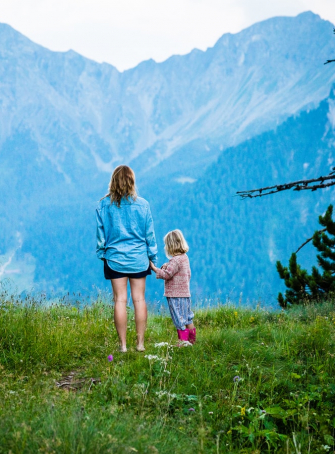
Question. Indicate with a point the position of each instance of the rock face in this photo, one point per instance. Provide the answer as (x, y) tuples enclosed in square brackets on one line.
[(66, 121)]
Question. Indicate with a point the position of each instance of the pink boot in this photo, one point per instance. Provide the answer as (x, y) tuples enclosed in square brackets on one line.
[(183, 335), (192, 336)]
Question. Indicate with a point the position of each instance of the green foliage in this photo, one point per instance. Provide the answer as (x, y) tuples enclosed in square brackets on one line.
[(167, 399), (303, 287)]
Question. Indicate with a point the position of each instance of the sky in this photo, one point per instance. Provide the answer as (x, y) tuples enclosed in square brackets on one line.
[(126, 32)]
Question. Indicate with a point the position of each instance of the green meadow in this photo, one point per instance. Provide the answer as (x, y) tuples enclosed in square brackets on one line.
[(256, 381)]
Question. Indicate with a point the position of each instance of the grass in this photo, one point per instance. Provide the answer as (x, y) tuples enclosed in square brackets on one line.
[(168, 399)]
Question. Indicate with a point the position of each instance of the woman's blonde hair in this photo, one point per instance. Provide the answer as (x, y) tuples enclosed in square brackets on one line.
[(122, 185), (175, 243)]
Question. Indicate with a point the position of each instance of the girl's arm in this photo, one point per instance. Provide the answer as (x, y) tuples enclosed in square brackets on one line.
[(100, 249), (167, 273), (150, 237)]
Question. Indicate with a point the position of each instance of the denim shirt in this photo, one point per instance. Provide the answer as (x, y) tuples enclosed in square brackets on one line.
[(125, 235)]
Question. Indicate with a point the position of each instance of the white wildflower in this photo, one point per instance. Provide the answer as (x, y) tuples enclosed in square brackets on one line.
[(157, 358), (187, 343), (161, 344), (151, 357), (160, 394), (184, 344)]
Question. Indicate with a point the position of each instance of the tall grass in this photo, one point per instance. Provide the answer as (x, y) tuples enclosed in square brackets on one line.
[(256, 381)]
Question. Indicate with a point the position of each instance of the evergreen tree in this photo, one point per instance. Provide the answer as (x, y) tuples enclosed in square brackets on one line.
[(304, 287)]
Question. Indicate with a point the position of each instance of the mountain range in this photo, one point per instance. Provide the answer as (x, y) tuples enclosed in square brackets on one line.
[(257, 108)]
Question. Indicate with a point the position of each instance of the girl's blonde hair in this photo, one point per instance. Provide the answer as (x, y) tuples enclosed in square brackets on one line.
[(175, 243), (122, 184)]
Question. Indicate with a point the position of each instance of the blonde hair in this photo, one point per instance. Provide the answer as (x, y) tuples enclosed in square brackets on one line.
[(175, 243), (122, 184)]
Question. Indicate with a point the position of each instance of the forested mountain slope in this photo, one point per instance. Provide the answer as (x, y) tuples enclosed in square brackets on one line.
[(235, 243)]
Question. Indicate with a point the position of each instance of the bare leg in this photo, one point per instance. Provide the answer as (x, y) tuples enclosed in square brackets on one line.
[(137, 287), (190, 326), (120, 309)]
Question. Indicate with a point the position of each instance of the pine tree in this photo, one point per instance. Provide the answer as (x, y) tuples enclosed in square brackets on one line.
[(303, 287)]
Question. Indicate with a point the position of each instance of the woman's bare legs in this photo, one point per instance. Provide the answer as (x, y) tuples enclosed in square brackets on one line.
[(137, 287), (120, 309)]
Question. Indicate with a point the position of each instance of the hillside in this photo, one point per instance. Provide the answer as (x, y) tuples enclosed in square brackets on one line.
[(255, 381), (235, 243), (66, 121)]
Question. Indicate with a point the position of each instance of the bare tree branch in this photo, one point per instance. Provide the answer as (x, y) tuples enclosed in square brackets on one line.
[(307, 241), (299, 185), (330, 61)]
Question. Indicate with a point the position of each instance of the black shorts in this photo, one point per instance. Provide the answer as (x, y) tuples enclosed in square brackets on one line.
[(111, 274)]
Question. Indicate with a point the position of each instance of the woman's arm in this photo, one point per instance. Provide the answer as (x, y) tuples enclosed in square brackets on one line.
[(150, 238), (100, 249), (167, 273)]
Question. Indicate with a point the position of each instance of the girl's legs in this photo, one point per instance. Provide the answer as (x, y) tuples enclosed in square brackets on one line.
[(193, 333), (179, 314), (137, 287), (120, 309), (182, 317)]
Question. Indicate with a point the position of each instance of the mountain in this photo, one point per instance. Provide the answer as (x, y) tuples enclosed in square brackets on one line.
[(235, 243), (66, 121), (247, 83)]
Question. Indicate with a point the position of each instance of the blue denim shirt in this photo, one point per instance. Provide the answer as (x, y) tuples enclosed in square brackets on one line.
[(125, 235)]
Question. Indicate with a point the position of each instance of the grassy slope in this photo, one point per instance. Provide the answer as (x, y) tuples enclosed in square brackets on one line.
[(284, 401)]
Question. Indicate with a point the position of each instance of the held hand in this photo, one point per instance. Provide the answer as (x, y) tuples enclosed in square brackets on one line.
[(153, 267), (164, 266)]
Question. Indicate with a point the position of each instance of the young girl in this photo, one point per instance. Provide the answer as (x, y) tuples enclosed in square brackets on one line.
[(177, 274)]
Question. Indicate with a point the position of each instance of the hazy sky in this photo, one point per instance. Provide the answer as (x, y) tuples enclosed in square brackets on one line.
[(126, 32)]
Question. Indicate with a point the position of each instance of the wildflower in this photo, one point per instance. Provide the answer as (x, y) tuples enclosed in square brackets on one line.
[(161, 344), (186, 344), (236, 379), (110, 358), (150, 357), (235, 313), (191, 409), (252, 319), (243, 411), (210, 412), (160, 394)]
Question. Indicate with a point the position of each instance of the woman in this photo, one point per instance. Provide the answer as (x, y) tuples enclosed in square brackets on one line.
[(126, 243)]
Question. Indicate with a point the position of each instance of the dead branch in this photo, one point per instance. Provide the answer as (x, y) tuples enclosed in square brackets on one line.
[(307, 241), (330, 61), (299, 185)]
